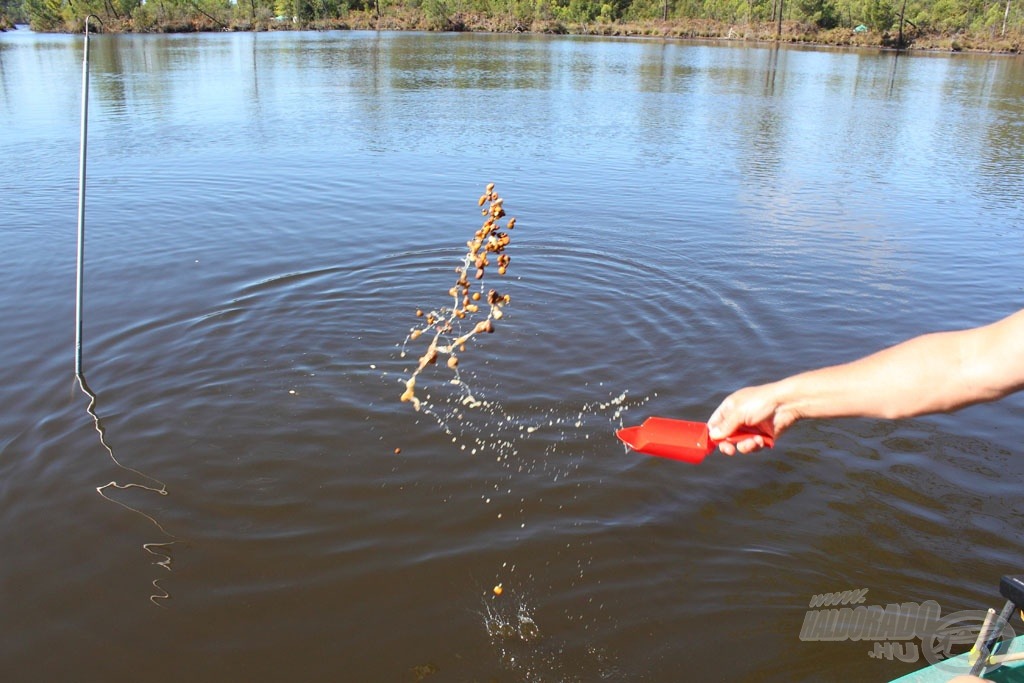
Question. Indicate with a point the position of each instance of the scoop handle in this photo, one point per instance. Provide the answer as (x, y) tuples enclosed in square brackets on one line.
[(746, 433)]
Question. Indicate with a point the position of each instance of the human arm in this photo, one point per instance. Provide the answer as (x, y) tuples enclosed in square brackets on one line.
[(938, 372)]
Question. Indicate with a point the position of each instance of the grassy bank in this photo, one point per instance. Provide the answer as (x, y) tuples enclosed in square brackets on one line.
[(789, 32), (161, 17)]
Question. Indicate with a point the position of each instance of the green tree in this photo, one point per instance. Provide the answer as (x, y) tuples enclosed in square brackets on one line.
[(14, 11), (577, 11), (45, 15), (879, 14), (821, 13)]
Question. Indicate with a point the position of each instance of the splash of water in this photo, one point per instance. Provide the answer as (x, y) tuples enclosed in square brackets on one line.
[(536, 657), (481, 426)]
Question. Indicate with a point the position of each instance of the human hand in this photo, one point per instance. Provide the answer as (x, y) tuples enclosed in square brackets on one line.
[(757, 407)]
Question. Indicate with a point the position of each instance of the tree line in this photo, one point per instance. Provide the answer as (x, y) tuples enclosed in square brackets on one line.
[(986, 24)]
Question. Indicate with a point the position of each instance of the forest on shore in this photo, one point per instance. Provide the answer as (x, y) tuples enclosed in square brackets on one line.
[(953, 25)]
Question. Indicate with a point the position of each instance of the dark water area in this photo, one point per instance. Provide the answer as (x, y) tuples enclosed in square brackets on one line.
[(265, 214)]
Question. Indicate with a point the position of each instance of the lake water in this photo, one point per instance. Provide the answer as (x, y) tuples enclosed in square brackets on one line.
[(265, 214)]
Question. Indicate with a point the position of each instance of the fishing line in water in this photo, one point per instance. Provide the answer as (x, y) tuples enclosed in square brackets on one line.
[(160, 550)]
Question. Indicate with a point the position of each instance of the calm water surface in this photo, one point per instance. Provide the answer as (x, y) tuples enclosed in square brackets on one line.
[(267, 212)]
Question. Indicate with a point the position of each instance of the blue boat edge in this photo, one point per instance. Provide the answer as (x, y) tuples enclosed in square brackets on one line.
[(944, 671)]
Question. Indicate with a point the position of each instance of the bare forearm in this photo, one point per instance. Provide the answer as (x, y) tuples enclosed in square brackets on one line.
[(932, 373)]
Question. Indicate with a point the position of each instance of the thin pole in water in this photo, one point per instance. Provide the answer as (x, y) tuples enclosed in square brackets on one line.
[(83, 145)]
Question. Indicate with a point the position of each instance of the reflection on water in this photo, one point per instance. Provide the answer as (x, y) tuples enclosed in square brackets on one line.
[(266, 213), (159, 550)]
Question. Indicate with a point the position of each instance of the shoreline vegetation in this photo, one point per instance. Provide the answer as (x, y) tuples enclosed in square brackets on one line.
[(995, 26)]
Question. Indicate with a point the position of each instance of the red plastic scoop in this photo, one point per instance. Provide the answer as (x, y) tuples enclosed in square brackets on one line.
[(679, 439)]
